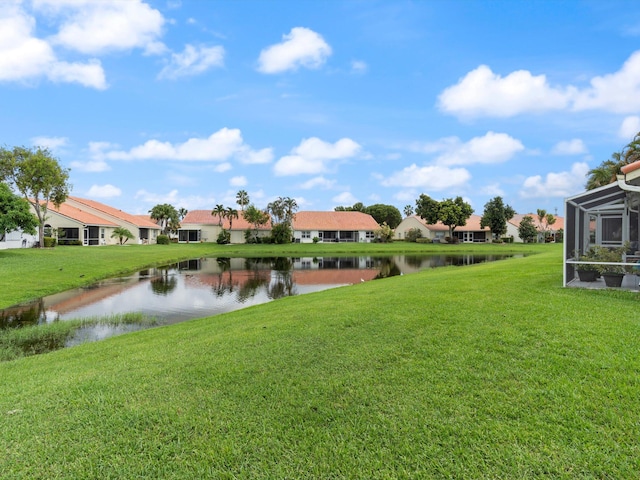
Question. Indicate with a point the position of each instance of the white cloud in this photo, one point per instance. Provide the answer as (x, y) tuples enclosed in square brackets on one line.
[(488, 149), (314, 156), (222, 145), (629, 128), (300, 48), (239, 181), (481, 92), (569, 147), (193, 61), (104, 191), (252, 157), (222, 167), (617, 92), (23, 57), (317, 182), (358, 66), (91, 166), (484, 93), (344, 199), (428, 178), (562, 184), (52, 143), (191, 202), (493, 190), (100, 26)]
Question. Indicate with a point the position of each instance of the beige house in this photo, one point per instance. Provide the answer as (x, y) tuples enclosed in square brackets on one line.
[(472, 232), (202, 226), (333, 227), (551, 230), (87, 222)]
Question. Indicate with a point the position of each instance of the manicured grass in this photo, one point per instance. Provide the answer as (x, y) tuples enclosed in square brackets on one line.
[(486, 371)]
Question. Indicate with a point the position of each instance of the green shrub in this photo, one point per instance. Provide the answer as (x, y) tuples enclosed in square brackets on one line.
[(49, 242), (224, 237), (316, 239), (423, 240), (413, 235), (163, 240)]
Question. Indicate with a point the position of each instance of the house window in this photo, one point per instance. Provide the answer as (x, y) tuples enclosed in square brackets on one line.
[(612, 230), (306, 234), (102, 233), (370, 235)]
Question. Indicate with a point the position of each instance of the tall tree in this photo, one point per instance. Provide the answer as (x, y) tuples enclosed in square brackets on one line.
[(527, 230), (182, 212), (408, 210), (256, 217), (545, 221), (15, 213), (39, 178), (385, 214), (242, 199), (452, 212), (496, 215), (167, 215), (220, 211), (231, 213)]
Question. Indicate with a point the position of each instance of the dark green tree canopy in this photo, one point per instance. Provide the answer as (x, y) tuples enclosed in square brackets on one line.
[(527, 229), (385, 214), (15, 213), (380, 212), (242, 199), (38, 176), (496, 215), (167, 215), (256, 217), (452, 212)]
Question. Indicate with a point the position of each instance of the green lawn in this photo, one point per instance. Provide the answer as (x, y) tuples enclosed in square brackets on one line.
[(487, 371)]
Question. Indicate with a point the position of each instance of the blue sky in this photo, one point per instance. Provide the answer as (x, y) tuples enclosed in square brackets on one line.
[(328, 102)]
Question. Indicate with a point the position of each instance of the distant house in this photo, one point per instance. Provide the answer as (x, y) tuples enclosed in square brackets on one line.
[(471, 232), (73, 225), (143, 229), (552, 231), (333, 227), (202, 226), (78, 221), (17, 239)]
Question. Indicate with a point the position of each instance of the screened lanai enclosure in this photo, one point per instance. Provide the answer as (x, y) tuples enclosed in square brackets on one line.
[(604, 218)]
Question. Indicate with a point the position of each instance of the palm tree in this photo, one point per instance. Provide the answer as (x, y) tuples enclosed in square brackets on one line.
[(182, 213), (121, 234), (408, 210), (220, 211), (231, 213), (242, 199), (607, 172), (290, 207)]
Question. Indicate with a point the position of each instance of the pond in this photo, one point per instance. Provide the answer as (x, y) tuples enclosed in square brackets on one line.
[(208, 286)]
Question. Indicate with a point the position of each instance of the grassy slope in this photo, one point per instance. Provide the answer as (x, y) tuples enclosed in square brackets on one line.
[(487, 371)]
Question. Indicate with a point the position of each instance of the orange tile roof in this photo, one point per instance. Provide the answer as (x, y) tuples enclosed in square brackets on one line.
[(517, 218), (114, 212), (79, 215), (472, 225), (204, 217), (630, 167), (309, 220)]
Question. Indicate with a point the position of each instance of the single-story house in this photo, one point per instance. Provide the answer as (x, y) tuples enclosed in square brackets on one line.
[(71, 224), (143, 230), (607, 216), (333, 227), (551, 230), (202, 226), (471, 232)]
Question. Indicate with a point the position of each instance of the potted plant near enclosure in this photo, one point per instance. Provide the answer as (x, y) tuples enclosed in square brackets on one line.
[(612, 274), (588, 272)]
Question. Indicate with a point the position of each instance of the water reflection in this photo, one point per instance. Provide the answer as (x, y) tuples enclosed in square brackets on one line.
[(209, 286)]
